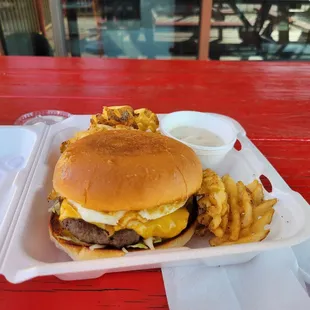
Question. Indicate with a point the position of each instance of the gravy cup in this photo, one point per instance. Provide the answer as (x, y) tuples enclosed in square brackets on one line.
[(210, 156)]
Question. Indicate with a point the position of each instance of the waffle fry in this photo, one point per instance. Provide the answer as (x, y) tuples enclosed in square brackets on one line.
[(213, 203), (113, 116), (243, 213), (146, 120), (117, 118)]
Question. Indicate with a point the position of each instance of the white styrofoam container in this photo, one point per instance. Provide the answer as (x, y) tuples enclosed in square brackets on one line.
[(27, 159)]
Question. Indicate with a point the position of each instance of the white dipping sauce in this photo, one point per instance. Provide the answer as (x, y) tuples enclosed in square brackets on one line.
[(197, 136)]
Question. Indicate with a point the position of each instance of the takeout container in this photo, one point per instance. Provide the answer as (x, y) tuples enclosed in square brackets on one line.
[(26, 251), (222, 126), (48, 117)]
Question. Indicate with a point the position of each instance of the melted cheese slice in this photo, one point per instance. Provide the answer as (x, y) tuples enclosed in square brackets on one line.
[(167, 226), (112, 218), (155, 213)]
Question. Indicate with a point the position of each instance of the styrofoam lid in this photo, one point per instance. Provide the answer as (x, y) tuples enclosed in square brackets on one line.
[(16, 156)]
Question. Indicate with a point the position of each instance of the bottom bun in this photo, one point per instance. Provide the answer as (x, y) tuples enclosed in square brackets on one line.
[(81, 252)]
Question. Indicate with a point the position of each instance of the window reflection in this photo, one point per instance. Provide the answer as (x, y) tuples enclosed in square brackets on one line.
[(128, 28), (141, 28), (158, 29), (23, 27), (261, 30)]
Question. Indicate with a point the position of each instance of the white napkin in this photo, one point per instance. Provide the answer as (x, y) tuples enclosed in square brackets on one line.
[(302, 252), (270, 281)]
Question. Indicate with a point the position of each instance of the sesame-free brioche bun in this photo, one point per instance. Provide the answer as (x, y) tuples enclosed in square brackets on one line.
[(80, 252), (121, 170)]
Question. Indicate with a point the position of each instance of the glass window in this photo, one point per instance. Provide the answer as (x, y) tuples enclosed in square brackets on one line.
[(157, 29), (260, 30), (151, 29), (24, 26)]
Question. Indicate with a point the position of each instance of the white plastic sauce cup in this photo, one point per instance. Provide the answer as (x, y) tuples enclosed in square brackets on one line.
[(210, 156)]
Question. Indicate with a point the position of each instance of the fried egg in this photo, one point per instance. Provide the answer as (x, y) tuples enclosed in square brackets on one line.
[(113, 218), (91, 216), (158, 212)]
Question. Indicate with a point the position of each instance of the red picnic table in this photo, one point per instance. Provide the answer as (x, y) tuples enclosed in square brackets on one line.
[(271, 100)]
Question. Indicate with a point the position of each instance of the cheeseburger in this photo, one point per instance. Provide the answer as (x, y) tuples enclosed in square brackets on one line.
[(124, 190)]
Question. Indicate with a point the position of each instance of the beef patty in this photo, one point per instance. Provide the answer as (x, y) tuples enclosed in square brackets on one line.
[(91, 233)]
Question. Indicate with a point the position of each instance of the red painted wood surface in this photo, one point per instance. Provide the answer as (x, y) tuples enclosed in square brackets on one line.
[(271, 100)]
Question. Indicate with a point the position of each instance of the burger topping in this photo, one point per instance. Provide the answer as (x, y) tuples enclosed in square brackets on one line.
[(92, 234), (96, 246), (140, 245), (91, 216), (129, 233), (55, 208), (146, 244), (149, 243), (113, 218), (165, 227), (155, 213), (80, 232)]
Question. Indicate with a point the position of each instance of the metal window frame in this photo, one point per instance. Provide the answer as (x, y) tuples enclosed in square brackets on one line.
[(58, 26), (3, 49), (205, 28)]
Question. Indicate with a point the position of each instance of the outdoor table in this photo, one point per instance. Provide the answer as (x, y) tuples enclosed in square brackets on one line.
[(271, 101)]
